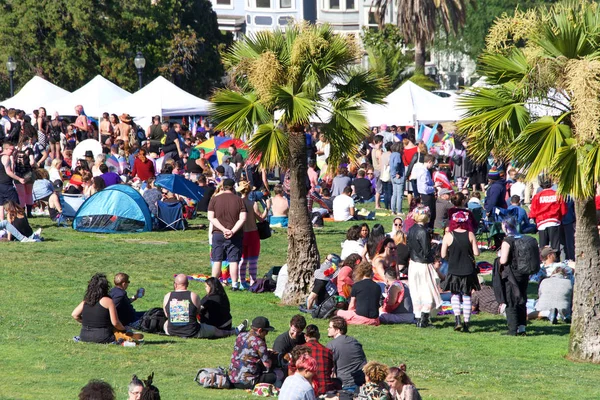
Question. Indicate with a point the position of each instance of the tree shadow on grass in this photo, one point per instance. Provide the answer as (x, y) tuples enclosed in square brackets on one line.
[(559, 330)]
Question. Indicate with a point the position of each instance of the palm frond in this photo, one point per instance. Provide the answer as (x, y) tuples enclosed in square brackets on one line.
[(569, 168), (269, 144), (297, 106), (500, 68), (346, 129), (363, 84), (238, 113), (539, 143)]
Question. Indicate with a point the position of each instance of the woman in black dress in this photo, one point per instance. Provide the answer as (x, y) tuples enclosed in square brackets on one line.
[(459, 246), (97, 313), (214, 307)]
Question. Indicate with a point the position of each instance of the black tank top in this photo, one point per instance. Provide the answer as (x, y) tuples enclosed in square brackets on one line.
[(193, 168), (460, 255), (4, 178), (95, 316), (181, 315), (23, 226)]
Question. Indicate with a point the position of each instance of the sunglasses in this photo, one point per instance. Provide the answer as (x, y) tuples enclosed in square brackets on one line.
[(398, 224)]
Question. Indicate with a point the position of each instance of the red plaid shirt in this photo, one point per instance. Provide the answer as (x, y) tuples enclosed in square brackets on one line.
[(322, 379)]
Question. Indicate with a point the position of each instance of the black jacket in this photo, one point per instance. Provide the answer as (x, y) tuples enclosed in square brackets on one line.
[(419, 243)]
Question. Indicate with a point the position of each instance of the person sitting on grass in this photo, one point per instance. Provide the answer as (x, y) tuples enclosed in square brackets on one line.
[(555, 297), (97, 313), (521, 216), (150, 392), (352, 244), (127, 314), (397, 307), (384, 259), (348, 355), (251, 361), (214, 307), (343, 207), (344, 278), (364, 298), (97, 390), (285, 343), (182, 307), (299, 386), (15, 215), (401, 387), (323, 380), (326, 273), (135, 388), (374, 387)]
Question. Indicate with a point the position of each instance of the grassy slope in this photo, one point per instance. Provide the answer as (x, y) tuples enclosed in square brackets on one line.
[(43, 282)]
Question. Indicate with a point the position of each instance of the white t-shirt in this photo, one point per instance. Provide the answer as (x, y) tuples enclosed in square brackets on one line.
[(341, 207), (351, 247), (518, 189), (325, 148)]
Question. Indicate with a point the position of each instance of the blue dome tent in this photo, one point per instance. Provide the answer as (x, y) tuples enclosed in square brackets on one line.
[(116, 209)]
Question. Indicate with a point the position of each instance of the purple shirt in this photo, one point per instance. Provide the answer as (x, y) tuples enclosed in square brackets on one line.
[(111, 178)]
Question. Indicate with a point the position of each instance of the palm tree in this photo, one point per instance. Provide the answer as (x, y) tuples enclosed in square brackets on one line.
[(281, 73), (419, 21), (549, 57)]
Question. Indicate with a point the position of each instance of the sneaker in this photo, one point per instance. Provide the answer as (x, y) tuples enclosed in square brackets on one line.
[(242, 327), (38, 233), (235, 289), (28, 240), (244, 286)]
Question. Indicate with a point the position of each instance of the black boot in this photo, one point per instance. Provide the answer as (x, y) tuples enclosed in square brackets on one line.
[(457, 324), (465, 327), (425, 322)]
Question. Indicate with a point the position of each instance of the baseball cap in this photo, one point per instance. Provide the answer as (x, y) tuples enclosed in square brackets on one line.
[(445, 191), (262, 323), (546, 251)]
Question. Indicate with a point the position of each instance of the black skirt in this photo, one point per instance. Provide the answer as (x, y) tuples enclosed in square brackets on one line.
[(461, 283)]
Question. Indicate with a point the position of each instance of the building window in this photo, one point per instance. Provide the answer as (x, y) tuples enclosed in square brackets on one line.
[(283, 21), (285, 3), (263, 3), (263, 20), (248, 19), (224, 2), (350, 4), (334, 4)]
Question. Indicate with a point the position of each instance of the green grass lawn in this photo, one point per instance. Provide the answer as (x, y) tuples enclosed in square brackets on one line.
[(41, 283)]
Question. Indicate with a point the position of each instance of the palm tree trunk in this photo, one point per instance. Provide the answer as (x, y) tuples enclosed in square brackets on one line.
[(303, 255), (420, 55), (585, 328)]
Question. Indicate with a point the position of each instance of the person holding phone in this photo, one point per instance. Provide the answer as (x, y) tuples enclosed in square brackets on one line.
[(127, 314)]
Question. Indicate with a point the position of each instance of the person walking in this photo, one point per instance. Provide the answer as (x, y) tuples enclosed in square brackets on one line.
[(398, 177), (459, 246)]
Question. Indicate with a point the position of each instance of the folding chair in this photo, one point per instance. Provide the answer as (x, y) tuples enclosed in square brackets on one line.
[(70, 204), (170, 216)]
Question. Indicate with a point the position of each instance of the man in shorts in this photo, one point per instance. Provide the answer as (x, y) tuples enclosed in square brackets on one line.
[(227, 213)]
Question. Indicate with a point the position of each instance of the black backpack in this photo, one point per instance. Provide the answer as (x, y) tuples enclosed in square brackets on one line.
[(526, 255), (153, 321)]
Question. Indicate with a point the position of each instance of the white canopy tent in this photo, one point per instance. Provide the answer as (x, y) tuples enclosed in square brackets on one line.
[(161, 97), (410, 104), (35, 94), (96, 97)]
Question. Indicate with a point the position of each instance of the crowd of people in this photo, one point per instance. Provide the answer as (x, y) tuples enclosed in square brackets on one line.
[(402, 276)]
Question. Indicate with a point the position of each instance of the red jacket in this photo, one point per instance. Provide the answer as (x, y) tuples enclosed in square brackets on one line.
[(547, 206)]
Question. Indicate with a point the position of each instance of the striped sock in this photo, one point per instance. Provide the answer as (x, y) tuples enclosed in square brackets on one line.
[(243, 266), (455, 300), (253, 267), (467, 308)]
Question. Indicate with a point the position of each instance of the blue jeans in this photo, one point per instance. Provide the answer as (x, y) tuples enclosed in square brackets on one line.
[(12, 230), (398, 192), (387, 194)]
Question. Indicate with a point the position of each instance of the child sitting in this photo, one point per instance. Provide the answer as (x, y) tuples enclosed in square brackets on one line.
[(374, 388)]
